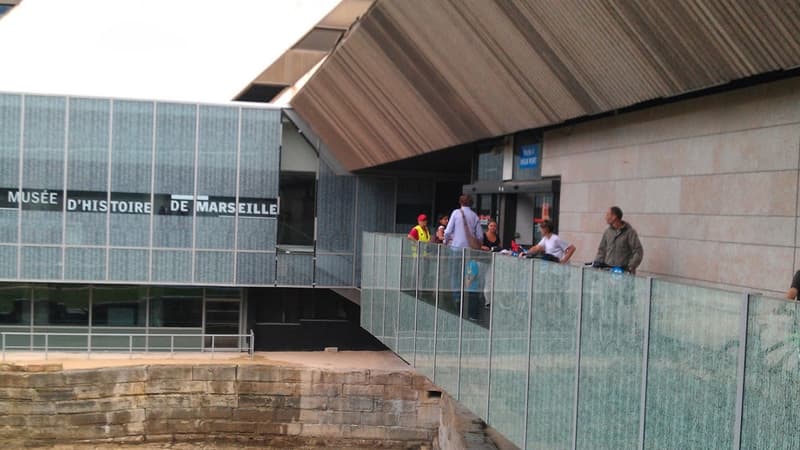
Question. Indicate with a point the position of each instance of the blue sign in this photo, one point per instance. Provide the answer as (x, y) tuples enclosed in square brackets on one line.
[(529, 156)]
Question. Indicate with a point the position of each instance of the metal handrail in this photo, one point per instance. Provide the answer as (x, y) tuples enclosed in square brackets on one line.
[(247, 339)]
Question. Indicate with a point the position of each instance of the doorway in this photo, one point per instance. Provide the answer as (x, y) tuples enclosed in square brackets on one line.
[(518, 207), (222, 317)]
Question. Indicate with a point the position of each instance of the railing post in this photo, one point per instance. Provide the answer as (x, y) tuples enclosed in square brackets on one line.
[(213, 345), (4, 345), (460, 322), (416, 301), (171, 345), (528, 360), (489, 356), (46, 344), (578, 322), (252, 344), (645, 359), (88, 346), (436, 308), (130, 346), (737, 425)]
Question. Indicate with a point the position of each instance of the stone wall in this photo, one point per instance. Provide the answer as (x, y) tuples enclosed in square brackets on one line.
[(460, 429), (710, 184), (274, 405)]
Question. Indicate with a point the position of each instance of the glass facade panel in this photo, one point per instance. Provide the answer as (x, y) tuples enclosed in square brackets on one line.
[(15, 305), (428, 255), (295, 269), (255, 268), (88, 145), (131, 146), (259, 158), (407, 299), (8, 254), (452, 270), (375, 208), (10, 132), (176, 307), (171, 266), (693, 355), (771, 397), (379, 288), (119, 306), (61, 305), (335, 194), (393, 249), (490, 164), (215, 232), (127, 265), (612, 340), (40, 263), (176, 144), (474, 375), (368, 280), (257, 234), (510, 320), (85, 264), (213, 267), (334, 270)]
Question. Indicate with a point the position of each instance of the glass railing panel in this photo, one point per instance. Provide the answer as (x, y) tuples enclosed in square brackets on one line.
[(553, 355), (613, 317), (426, 308), (451, 270), (367, 280), (509, 340), (393, 260), (379, 293), (692, 366), (772, 368), (474, 365), (407, 300)]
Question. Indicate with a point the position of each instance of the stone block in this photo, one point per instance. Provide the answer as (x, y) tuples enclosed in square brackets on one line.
[(173, 414), (313, 402), (105, 376), (269, 388), (85, 406), (54, 394), (340, 417), (428, 416), (409, 434), (211, 401), (169, 372), (168, 386), (12, 421), (283, 429), (17, 393), (172, 426), (364, 432), (395, 406), (249, 372), (423, 383), (46, 379), (221, 387), (395, 392), (265, 401), (159, 402), (27, 407), (352, 404), (328, 390), (250, 414), (391, 378), (228, 426), (214, 373), (349, 377), (362, 390), (322, 430)]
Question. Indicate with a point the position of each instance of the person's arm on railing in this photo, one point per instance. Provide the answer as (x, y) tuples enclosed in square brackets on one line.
[(568, 254)]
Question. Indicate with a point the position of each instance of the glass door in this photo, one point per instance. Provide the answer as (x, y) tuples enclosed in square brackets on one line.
[(222, 317)]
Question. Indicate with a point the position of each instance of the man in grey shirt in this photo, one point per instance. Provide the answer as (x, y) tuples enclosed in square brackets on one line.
[(455, 232), (620, 245)]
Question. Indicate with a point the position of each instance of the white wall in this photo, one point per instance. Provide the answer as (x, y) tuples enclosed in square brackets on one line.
[(710, 184)]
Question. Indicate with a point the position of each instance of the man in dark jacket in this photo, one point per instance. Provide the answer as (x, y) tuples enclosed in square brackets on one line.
[(620, 246)]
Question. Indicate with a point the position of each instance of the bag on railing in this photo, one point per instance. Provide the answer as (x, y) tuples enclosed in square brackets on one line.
[(474, 242)]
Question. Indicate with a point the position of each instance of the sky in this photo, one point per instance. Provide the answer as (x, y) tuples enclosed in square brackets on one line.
[(182, 50)]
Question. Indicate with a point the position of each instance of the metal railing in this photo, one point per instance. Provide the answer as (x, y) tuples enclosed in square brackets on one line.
[(89, 343)]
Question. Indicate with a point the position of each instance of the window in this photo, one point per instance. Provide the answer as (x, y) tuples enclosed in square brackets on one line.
[(15, 306), (296, 218), (61, 305), (176, 307), (119, 306)]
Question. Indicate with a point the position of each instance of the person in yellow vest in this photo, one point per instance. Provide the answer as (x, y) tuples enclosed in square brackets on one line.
[(420, 231)]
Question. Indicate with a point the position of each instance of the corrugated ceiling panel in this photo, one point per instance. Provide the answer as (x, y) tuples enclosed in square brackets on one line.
[(419, 75)]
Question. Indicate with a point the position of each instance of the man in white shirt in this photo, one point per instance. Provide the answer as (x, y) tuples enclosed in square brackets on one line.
[(456, 233), (558, 249)]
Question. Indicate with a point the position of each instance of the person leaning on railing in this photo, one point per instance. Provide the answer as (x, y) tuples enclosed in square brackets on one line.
[(792, 293), (620, 245)]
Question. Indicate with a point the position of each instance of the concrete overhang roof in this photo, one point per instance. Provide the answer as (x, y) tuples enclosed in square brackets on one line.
[(415, 76)]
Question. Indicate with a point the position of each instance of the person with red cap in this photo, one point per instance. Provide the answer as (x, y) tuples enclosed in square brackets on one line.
[(420, 231)]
